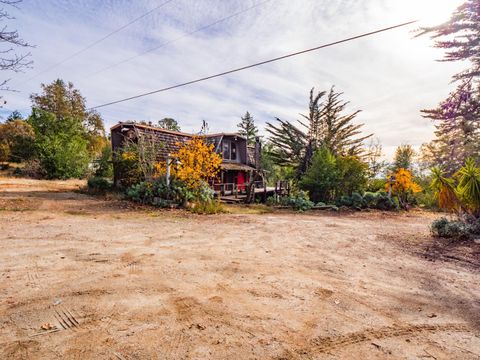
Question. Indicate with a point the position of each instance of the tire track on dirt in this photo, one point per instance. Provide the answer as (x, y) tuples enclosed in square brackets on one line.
[(324, 344)]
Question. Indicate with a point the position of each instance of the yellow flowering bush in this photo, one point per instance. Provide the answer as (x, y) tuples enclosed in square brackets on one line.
[(198, 162)]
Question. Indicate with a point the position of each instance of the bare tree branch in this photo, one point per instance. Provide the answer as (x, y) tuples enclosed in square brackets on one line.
[(10, 42)]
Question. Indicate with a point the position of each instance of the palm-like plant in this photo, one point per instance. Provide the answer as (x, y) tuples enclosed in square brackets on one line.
[(468, 188), (444, 190)]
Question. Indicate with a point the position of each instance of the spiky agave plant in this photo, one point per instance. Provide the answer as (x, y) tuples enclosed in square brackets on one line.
[(444, 190), (468, 188)]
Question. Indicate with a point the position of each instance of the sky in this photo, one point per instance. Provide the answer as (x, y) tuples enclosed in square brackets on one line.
[(389, 76)]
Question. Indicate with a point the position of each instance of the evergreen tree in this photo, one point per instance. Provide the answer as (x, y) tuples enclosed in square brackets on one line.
[(247, 128), (325, 125), (460, 38), (457, 130), (457, 118)]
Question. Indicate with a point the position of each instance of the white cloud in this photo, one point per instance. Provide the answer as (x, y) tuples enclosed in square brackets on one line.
[(389, 76)]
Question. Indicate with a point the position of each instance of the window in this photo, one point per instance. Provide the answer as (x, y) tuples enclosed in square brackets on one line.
[(226, 150), (233, 153), (229, 150)]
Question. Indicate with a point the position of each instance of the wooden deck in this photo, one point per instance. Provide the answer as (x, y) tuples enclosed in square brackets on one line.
[(240, 198)]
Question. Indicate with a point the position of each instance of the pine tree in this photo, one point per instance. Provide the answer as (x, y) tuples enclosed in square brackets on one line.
[(247, 128)]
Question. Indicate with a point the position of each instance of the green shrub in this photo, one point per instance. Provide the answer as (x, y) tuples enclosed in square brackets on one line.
[(370, 199), (203, 192), (127, 168), (345, 200), (357, 200), (352, 175), (376, 185), (459, 229), (103, 165), (99, 185), (450, 229), (321, 178), (271, 201), (298, 201), (386, 203), (158, 193)]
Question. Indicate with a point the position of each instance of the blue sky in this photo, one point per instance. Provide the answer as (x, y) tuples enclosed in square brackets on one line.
[(390, 77)]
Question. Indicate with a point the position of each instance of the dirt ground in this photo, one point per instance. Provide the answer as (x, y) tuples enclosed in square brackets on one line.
[(109, 281)]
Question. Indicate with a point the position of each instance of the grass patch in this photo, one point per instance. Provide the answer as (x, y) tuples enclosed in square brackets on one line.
[(253, 209)]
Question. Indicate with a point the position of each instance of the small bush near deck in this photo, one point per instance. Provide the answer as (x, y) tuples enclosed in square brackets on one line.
[(99, 185)]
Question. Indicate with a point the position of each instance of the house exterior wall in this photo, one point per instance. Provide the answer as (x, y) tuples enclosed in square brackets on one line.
[(171, 141)]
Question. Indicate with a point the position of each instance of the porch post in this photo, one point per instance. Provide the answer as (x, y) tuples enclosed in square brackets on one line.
[(167, 175)]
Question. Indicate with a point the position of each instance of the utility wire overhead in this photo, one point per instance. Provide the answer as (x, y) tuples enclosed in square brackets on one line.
[(178, 38), (98, 41), (256, 64)]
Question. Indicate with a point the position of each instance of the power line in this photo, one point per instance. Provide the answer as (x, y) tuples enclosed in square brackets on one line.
[(99, 40), (178, 38), (256, 64)]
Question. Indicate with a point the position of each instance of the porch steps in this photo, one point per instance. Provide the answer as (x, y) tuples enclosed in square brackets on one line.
[(232, 199)]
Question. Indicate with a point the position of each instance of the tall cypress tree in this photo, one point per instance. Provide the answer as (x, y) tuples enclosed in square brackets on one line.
[(457, 118), (247, 128), (326, 125)]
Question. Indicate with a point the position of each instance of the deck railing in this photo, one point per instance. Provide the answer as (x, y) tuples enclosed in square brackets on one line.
[(234, 189)]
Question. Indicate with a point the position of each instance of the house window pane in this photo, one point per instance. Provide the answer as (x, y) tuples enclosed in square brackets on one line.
[(234, 151), (226, 150)]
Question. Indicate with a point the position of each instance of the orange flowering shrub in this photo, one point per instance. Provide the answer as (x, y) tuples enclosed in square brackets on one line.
[(403, 186), (198, 162)]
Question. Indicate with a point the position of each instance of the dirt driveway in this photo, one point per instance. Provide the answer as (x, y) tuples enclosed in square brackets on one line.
[(110, 282)]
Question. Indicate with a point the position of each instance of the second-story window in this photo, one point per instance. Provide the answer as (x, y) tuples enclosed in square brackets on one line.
[(226, 150), (233, 153), (229, 150)]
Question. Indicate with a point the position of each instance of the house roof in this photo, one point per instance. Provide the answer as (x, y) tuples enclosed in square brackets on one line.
[(224, 134), (235, 166), (142, 126)]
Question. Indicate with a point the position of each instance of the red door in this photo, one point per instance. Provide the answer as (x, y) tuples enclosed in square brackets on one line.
[(241, 181)]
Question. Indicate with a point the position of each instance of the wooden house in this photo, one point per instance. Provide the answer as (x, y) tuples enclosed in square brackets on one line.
[(240, 162)]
